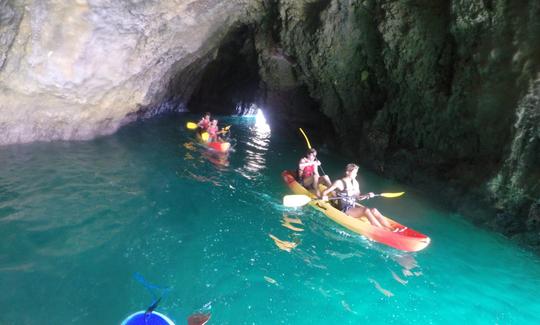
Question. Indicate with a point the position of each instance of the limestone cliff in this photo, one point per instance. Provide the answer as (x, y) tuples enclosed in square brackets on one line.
[(77, 69), (443, 94)]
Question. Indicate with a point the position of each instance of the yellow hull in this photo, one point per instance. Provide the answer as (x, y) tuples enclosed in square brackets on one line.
[(405, 239)]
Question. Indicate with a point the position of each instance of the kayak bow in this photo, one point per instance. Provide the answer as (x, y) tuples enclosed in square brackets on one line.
[(215, 145)]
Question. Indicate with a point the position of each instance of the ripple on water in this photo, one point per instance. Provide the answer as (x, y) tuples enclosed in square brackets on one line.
[(78, 219)]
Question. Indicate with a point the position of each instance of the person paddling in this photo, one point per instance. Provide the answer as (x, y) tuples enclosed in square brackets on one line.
[(308, 172), (213, 131), (204, 123), (348, 191)]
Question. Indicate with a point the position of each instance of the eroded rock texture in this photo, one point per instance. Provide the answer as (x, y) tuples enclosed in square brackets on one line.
[(77, 69), (438, 93)]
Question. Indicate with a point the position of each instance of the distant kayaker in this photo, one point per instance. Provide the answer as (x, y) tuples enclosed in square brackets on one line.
[(348, 191), (213, 131), (204, 123), (308, 172)]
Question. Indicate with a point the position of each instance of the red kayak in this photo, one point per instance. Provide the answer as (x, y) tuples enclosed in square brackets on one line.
[(220, 146), (402, 238)]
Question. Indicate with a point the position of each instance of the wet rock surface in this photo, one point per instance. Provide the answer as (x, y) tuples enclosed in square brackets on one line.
[(78, 69), (440, 94)]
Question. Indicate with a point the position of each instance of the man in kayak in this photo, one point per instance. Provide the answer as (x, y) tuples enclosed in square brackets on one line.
[(308, 172), (348, 191), (204, 123)]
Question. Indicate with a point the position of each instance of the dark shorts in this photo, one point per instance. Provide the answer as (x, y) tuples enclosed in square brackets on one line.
[(345, 206), (303, 183)]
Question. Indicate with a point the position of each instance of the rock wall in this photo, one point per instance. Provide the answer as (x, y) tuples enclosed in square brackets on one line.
[(442, 94), (77, 69)]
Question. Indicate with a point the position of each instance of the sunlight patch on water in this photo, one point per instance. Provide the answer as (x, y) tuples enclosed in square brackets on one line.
[(257, 147), (261, 126)]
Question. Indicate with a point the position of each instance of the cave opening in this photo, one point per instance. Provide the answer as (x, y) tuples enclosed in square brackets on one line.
[(227, 81), (229, 84)]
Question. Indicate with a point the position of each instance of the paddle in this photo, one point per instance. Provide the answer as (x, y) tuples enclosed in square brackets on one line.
[(309, 146), (194, 126), (151, 288), (198, 319), (224, 130), (204, 135), (298, 200)]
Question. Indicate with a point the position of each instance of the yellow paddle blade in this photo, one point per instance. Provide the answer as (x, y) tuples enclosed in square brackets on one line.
[(305, 136), (191, 125), (205, 136), (392, 194), (224, 130), (296, 200)]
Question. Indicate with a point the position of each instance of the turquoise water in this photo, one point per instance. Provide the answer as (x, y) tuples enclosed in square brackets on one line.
[(79, 219)]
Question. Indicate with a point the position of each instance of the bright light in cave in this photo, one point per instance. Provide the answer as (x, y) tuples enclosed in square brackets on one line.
[(260, 122), (257, 145)]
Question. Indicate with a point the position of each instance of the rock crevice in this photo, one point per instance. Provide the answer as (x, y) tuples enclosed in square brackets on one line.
[(441, 94)]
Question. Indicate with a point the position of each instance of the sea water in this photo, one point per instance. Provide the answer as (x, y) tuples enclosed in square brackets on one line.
[(81, 221)]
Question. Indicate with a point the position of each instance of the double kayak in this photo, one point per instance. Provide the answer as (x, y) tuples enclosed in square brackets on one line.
[(401, 237), (219, 146)]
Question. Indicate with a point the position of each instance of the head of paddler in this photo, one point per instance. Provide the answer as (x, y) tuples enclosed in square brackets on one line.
[(351, 170), (311, 154)]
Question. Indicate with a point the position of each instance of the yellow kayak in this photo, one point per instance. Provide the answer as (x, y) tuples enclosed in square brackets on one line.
[(402, 238)]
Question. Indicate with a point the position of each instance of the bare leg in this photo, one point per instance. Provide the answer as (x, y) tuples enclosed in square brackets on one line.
[(308, 182), (373, 215), (381, 218), (316, 185), (372, 219), (362, 211), (326, 180)]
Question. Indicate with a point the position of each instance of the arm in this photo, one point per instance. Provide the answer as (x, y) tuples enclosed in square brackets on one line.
[(316, 169), (336, 185), (359, 196)]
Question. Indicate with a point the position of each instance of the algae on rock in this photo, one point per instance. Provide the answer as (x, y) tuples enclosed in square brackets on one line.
[(428, 91)]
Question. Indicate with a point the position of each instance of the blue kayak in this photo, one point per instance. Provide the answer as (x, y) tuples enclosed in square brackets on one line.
[(153, 318)]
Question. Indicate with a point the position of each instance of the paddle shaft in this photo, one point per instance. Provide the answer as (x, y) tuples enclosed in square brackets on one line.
[(362, 198), (309, 147), (319, 166), (297, 200)]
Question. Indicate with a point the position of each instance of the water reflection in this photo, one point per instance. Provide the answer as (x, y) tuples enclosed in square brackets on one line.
[(257, 147), (218, 159)]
